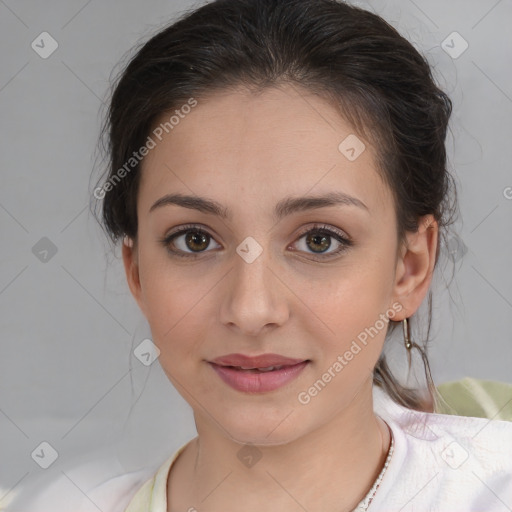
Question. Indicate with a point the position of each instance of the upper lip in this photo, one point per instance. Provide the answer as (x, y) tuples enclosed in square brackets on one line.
[(262, 361)]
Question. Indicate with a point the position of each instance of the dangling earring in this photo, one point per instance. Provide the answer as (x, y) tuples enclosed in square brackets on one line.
[(429, 403), (407, 334)]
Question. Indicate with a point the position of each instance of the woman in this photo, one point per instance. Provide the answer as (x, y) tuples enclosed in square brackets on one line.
[(278, 180)]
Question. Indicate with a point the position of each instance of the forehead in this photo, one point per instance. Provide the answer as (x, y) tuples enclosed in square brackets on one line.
[(280, 141)]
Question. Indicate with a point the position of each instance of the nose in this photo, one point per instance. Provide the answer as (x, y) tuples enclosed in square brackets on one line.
[(254, 297)]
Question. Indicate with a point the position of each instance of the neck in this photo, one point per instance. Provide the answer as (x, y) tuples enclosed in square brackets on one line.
[(330, 468)]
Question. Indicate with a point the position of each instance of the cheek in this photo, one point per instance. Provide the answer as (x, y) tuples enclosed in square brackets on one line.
[(349, 309), (162, 295), (348, 350), (177, 311)]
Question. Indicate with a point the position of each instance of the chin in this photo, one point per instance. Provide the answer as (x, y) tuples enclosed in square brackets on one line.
[(256, 431), (261, 439)]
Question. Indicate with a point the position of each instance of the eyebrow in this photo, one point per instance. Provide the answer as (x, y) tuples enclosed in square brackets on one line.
[(283, 208)]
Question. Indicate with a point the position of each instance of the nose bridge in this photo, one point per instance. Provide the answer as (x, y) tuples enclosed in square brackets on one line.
[(252, 299), (251, 265)]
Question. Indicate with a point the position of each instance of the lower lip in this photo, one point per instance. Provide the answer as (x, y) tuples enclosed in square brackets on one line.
[(258, 382)]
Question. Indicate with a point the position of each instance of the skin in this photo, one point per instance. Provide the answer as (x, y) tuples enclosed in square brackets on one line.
[(247, 152)]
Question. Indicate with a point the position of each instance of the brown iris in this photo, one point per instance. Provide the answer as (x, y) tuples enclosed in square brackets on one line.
[(194, 237), (322, 240)]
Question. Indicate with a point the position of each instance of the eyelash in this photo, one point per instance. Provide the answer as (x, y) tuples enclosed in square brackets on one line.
[(345, 243)]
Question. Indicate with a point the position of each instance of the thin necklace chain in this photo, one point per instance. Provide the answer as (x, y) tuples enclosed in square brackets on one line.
[(365, 502)]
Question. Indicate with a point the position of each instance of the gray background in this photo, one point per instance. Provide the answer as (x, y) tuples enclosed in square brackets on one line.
[(68, 375)]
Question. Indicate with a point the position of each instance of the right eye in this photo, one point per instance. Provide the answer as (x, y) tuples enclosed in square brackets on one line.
[(187, 238)]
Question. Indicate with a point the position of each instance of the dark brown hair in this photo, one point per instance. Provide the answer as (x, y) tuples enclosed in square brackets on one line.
[(353, 58)]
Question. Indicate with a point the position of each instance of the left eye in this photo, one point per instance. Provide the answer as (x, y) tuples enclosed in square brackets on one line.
[(318, 240)]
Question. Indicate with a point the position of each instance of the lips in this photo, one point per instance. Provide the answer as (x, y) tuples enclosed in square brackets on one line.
[(259, 379), (264, 362)]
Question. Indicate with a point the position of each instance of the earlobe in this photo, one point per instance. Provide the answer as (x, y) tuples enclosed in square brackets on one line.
[(415, 266), (131, 267)]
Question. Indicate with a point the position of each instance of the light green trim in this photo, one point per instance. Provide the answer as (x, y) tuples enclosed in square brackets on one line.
[(477, 398)]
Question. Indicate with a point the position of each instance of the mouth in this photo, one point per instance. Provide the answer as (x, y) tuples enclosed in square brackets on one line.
[(251, 369), (259, 379), (260, 362)]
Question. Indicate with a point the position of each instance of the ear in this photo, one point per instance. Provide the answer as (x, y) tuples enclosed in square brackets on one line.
[(131, 267), (415, 266)]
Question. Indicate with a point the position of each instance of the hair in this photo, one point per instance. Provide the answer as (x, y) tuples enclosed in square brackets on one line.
[(351, 57)]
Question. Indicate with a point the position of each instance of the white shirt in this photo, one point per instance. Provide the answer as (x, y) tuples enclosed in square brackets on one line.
[(441, 463)]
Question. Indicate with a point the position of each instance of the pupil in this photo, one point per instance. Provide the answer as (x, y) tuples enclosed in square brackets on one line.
[(195, 237), (317, 239)]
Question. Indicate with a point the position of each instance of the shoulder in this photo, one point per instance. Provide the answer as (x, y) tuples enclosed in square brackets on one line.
[(455, 439), (446, 462), (115, 494), (78, 489), (481, 437)]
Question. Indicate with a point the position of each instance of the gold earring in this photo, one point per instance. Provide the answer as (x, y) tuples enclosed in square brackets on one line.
[(407, 334)]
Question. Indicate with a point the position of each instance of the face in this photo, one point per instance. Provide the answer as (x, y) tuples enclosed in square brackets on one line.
[(269, 276)]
